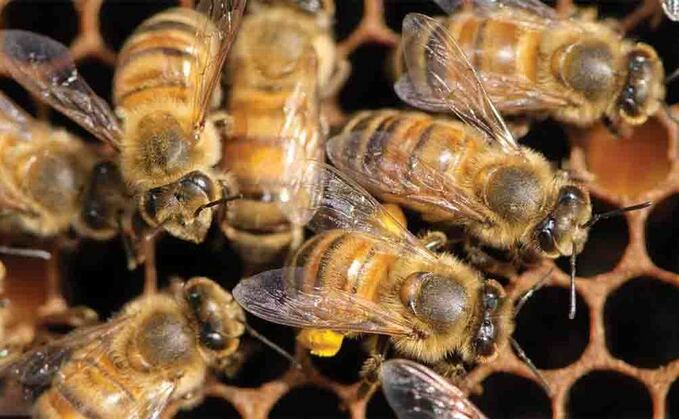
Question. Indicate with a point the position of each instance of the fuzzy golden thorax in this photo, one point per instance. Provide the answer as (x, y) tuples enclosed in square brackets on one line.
[(455, 311)]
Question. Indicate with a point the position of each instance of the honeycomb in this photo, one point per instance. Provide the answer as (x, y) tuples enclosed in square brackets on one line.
[(618, 358)]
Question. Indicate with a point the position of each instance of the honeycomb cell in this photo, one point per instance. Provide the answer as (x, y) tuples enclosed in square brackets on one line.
[(546, 334), (40, 17), (345, 367), (396, 10), (608, 394), (211, 407), (509, 396), (662, 234), (307, 403), (641, 322), (630, 166), (119, 19), (98, 75), (347, 16), (368, 89), (605, 245)]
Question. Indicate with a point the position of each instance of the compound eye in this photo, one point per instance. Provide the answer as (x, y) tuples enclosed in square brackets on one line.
[(485, 348), (570, 195), (200, 181), (490, 300), (151, 201), (194, 297), (545, 235), (211, 339)]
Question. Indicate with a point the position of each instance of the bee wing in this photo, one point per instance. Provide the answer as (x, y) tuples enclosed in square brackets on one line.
[(216, 35), (13, 119), (448, 78), (533, 7), (517, 94), (37, 368), (416, 392), (45, 68), (671, 8), (276, 296), (333, 201), (154, 399), (397, 171)]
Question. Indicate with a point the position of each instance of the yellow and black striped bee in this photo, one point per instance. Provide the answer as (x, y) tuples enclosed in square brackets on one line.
[(534, 63), (471, 173), (164, 86)]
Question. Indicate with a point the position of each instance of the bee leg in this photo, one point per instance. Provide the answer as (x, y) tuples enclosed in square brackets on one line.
[(370, 372), (649, 9), (480, 258), (454, 371), (337, 80), (434, 240)]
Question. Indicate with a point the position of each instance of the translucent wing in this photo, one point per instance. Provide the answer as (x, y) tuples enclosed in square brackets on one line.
[(416, 392), (438, 69), (153, 400), (216, 35), (336, 202), (671, 8), (518, 94), (36, 369), (398, 171), (12, 118), (276, 297), (45, 67), (534, 7)]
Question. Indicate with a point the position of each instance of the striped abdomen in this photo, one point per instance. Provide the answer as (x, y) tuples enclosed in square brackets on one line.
[(388, 142), (91, 388), (343, 260), (152, 64)]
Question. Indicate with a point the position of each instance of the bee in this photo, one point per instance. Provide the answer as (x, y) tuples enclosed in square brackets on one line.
[(534, 63), (43, 171), (164, 81), (283, 62), (414, 392), (158, 349), (470, 173), (365, 273)]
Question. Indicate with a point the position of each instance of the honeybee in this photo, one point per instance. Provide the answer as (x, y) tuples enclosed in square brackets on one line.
[(470, 173), (164, 81), (158, 349), (365, 273), (534, 63), (282, 63), (416, 392)]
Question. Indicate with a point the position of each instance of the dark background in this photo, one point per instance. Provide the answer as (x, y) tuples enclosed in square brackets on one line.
[(642, 317)]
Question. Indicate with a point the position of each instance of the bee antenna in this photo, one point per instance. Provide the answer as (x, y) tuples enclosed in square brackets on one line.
[(671, 77), (255, 334), (615, 212), (26, 252), (523, 357), (216, 202), (532, 290)]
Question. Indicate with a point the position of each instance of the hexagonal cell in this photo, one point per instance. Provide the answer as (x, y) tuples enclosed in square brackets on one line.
[(347, 17), (509, 396), (368, 89), (549, 138), (119, 19), (672, 401), (345, 367), (628, 166), (40, 17), (317, 403), (608, 394), (605, 245), (662, 234), (641, 326), (396, 10), (546, 334), (211, 407)]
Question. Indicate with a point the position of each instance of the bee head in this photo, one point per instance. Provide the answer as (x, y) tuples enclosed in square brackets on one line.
[(644, 89), (178, 207), (104, 200), (218, 318), (563, 231), (489, 332)]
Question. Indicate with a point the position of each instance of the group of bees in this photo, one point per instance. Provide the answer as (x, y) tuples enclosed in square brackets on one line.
[(217, 114)]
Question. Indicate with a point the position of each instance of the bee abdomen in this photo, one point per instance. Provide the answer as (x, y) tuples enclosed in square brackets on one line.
[(343, 260), (152, 61), (385, 142)]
